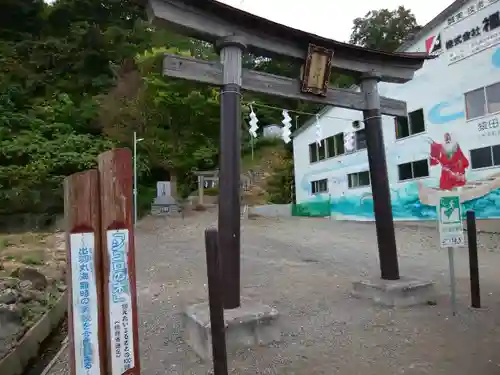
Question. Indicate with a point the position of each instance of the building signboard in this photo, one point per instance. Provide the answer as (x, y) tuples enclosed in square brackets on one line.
[(471, 10), (489, 127), (472, 40)]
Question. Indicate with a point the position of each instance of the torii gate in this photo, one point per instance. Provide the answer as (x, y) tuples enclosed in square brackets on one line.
[(234, 31)]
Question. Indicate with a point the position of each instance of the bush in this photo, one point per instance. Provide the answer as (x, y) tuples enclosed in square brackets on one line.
[(211, 192), (144, 199)]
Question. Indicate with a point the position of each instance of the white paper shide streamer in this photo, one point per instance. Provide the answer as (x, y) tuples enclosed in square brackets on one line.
[(349, 141), (319, 132), (285, 131), (253, 123)]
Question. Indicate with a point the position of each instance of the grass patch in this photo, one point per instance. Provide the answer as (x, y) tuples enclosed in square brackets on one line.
[(31, 260)]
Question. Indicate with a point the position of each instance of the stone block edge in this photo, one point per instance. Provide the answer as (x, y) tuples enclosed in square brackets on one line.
[(27, 348)]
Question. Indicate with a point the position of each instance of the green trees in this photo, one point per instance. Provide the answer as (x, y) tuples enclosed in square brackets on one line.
[(384, 29)]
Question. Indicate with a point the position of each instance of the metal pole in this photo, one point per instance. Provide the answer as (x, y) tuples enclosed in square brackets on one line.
[(231, 52), (384, 224), (215, 293), (475, 293), (330, 206), (452, 281), (251, 142), (135, 178)]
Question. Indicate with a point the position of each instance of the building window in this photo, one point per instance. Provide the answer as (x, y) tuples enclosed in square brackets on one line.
[(319, 186), (483, 101), (313, 152), (411, 125), (335, 145), (317, 152), (360, 139), (328, 148), (414, 169), (321, 150), (358, 179), (485, 157), (493, 97)]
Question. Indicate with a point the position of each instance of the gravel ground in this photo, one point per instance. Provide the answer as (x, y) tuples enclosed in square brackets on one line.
[(305, 268)]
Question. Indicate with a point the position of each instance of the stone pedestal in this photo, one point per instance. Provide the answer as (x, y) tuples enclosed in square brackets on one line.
[(395, 293), (165, 206), (250, 325)]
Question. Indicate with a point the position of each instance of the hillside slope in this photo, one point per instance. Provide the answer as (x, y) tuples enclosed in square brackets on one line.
[(258, 175)]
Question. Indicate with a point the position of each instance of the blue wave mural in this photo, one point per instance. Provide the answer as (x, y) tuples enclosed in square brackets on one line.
[(406, 205), (437, 114)]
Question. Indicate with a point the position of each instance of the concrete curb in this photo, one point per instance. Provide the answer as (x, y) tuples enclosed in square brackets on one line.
[(54, 360), (16, 361)]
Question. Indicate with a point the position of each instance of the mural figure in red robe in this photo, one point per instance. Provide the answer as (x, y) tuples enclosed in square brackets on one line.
[(452, 160)]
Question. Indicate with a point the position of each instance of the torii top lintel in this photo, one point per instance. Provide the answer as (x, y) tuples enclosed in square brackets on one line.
[(211, 20)]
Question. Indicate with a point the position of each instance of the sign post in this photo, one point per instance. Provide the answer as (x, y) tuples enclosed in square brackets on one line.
[(85, 313), (118, 254), (451, 235)]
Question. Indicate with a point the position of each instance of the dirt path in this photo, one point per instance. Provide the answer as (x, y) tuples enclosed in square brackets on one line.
[(305, 267)]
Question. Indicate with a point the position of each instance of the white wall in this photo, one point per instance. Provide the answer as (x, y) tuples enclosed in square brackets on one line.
[(439, 89)]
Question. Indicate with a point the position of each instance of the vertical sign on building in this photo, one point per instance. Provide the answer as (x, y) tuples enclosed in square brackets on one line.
[(120, 302), (85, 302)]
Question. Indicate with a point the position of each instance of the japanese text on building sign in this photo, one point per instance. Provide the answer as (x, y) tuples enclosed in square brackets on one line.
[(476, 39), (84, 298), (489, 128), (471, 9), (120, 303)]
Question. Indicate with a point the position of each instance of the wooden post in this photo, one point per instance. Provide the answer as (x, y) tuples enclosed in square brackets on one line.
[(215, 294), (85, 310), (120, 295), (475, 290), (379, 179), (231, 51)]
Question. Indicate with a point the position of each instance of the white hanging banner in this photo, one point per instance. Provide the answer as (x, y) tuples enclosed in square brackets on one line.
[(319, 132), (285, 131), (253, 123), (120, 302), (84, 298)]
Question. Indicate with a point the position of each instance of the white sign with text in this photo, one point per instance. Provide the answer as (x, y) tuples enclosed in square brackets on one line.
[(120, 302), (84, 298), (451, 230)]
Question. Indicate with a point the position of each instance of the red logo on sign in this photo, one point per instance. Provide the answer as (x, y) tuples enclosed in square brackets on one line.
[(433, 44)]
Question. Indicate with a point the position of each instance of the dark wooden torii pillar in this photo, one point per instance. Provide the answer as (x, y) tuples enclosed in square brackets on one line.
[(233, 32)]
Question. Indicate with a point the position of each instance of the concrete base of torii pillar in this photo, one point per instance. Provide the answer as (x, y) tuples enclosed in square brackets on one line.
[(252, 324), (396, 293)]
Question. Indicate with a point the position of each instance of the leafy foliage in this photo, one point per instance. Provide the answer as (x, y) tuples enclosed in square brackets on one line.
[(384, 29)]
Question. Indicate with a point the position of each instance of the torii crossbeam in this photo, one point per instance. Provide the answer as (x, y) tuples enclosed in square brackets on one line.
[(234, 31)]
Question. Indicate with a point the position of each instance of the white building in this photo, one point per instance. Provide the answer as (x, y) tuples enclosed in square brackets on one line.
[(450, 140)]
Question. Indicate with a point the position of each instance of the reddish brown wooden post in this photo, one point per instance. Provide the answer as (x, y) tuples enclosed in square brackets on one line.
[(85, 311), (118, 250)]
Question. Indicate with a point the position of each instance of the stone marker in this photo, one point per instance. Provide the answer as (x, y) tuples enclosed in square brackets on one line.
[(164, 205)]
